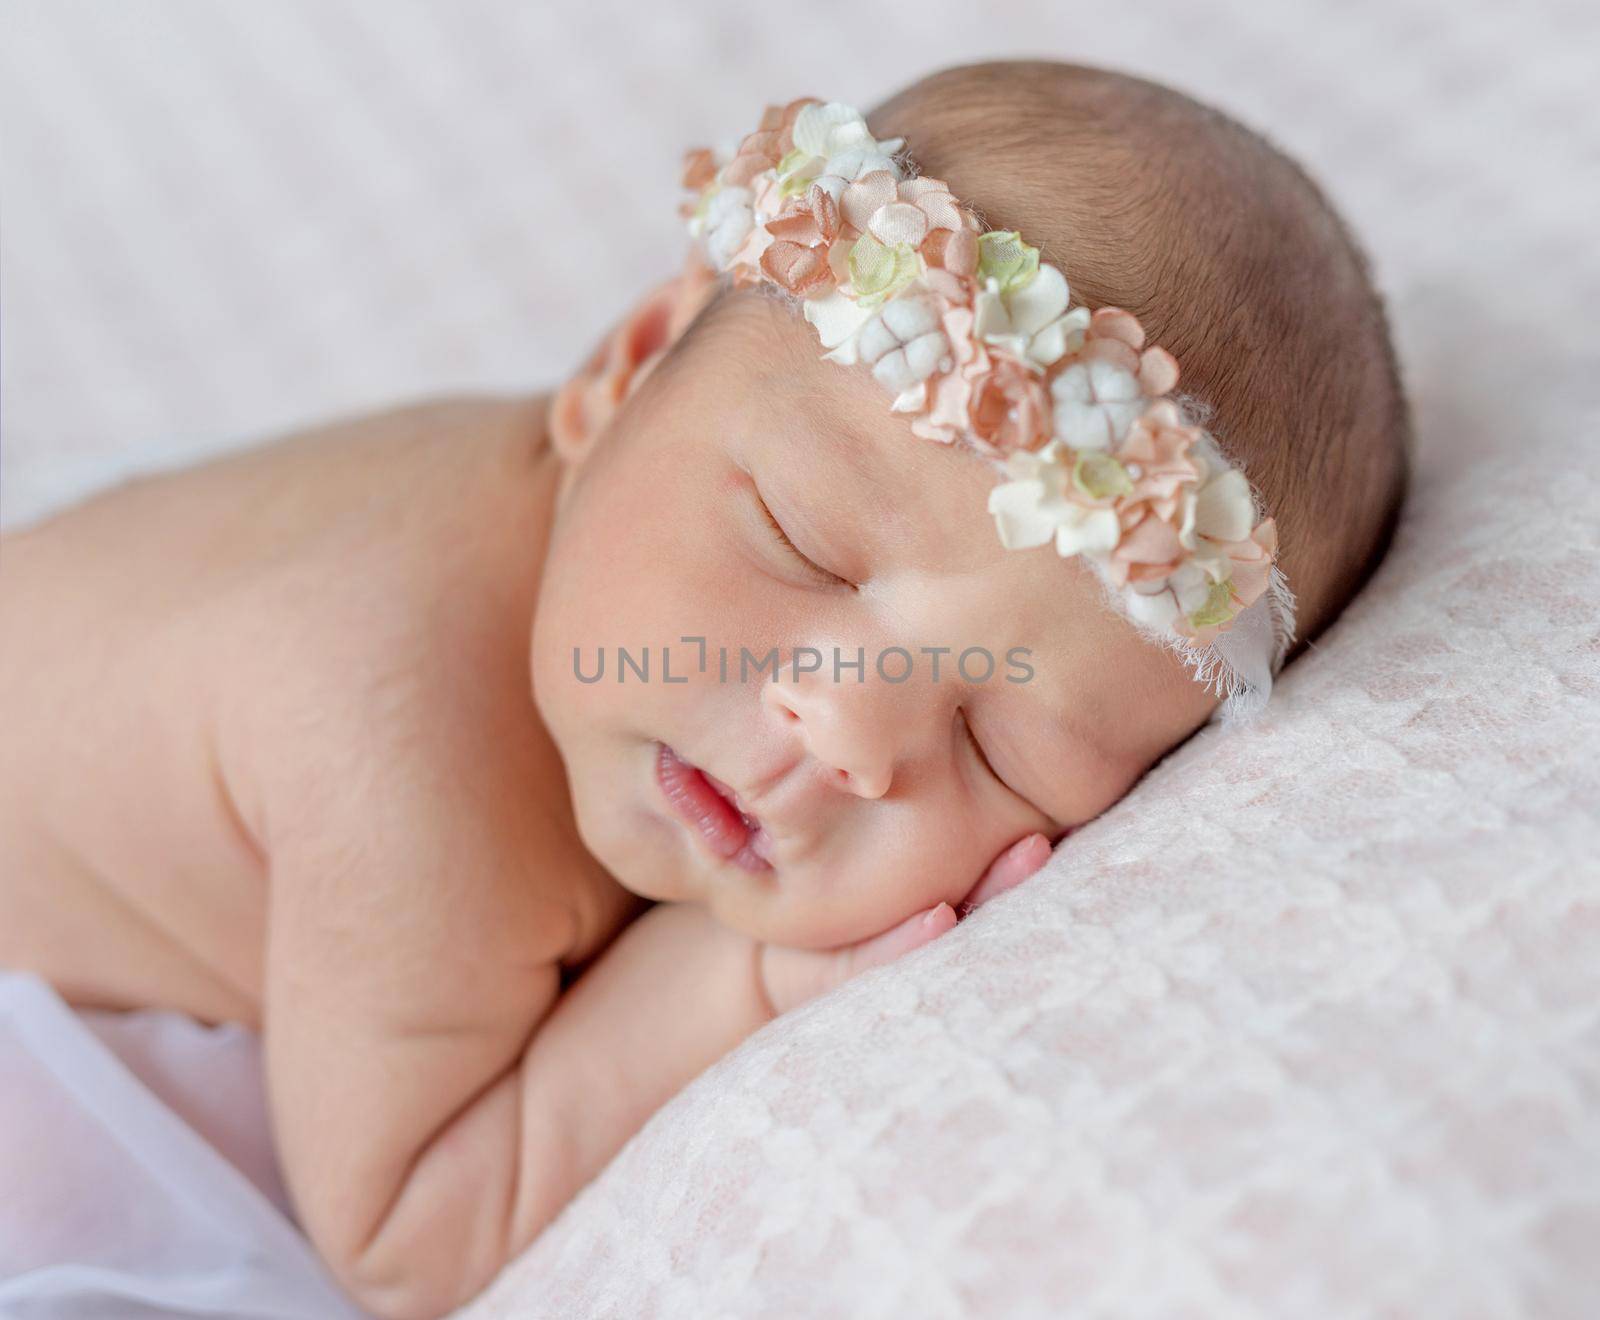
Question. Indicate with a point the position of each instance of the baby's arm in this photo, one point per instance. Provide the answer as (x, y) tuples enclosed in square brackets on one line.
[(436, 1105), (421, 1162)]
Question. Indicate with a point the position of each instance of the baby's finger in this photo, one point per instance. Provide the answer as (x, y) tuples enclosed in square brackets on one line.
[(1010, 869), (916, 930), (792, 976)]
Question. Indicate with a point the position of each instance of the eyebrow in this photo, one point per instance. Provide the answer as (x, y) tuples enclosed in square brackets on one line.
[(887, 520), (845, 516), (822, 416)]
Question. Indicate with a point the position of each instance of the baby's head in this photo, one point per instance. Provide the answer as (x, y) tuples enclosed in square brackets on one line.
[(935, 696)]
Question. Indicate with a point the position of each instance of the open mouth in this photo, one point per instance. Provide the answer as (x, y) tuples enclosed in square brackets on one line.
[(709, 808)]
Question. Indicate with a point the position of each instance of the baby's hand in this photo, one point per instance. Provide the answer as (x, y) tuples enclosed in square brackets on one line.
[(792, 976)]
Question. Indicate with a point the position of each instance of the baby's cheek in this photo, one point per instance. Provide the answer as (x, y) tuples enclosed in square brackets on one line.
[(936, 855)]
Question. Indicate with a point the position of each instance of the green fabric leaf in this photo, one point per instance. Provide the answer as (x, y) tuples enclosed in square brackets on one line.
[(1218, 607), (1101, 477), (878, 272), (1006, 259)]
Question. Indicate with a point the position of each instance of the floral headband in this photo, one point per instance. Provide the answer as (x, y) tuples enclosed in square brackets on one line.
[(973, 335)]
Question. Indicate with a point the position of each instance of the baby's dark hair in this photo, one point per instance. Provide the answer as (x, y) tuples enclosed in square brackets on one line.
[(1233, 260)]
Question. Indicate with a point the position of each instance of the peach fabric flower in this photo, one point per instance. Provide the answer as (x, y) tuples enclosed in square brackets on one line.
[(1009, 407), (796, 259)]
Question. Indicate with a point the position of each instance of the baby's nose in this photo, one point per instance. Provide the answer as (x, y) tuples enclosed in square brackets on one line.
[(839, 731)]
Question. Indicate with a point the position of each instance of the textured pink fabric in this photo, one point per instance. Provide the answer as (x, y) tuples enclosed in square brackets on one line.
[(1307, 1025)]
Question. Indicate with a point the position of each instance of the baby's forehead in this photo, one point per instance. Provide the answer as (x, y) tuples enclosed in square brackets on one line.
[(754, 335), (758, 345), (756, 355)]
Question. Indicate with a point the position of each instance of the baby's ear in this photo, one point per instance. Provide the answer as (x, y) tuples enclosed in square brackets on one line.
[(585, 404)]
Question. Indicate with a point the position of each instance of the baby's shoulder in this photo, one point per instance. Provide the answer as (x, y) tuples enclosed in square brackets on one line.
[(386, 710)]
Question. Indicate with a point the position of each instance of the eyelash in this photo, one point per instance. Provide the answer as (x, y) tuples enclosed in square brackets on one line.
[(810, 565), (977, 747)]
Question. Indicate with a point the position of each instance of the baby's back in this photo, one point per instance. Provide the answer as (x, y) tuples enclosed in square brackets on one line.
[(195, 665)]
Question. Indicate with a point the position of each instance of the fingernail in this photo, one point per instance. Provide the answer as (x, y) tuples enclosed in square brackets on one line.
[(1036, 845), (936, 916)]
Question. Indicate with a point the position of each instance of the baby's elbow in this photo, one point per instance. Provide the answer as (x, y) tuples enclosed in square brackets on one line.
[(438, 1246), (418, 1258), (390, 1283), (403, 1301), (418, 1244)]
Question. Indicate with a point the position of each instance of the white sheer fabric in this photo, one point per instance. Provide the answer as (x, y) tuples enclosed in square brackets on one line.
[(138, 1174)]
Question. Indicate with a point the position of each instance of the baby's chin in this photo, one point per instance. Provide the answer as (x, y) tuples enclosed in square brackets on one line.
[(771, 907), (791, 910)]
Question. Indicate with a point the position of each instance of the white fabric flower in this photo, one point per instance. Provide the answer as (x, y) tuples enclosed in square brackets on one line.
[(1160, 604), (852, 164), (840, 136), (1223, 508), (1087, 532), (827, 129), (1095, 404), (842, 170), (1220, 511), (729, 218), (1032, 509), (905, 344), (838, 319), (1031, 321)]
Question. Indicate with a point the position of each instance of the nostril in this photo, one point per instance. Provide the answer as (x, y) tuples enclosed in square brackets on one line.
[(844, 776), (789, 713)]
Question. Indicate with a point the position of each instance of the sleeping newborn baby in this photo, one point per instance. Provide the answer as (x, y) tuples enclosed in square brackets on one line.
[(509, 762)]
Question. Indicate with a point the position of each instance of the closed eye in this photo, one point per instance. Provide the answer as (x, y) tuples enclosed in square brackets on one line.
[(972, 740), (983, 757), (811, 566)]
